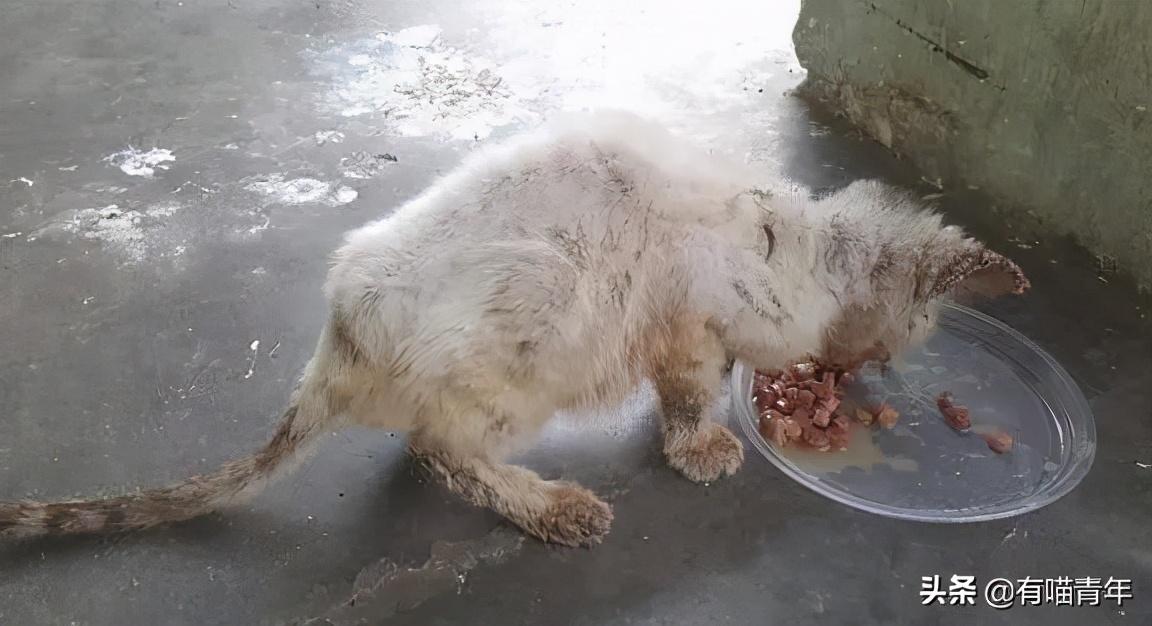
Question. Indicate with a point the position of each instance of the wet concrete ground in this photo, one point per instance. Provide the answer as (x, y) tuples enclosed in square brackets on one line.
[(172, 175)]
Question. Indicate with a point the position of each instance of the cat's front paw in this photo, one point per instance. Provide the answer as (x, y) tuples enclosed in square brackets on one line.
[(706, 454), (574, 517)]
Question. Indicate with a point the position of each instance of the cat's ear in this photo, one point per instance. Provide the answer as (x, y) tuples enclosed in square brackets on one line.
[(973, 271)]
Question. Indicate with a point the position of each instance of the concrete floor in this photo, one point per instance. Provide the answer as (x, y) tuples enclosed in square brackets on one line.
[(238, 139)]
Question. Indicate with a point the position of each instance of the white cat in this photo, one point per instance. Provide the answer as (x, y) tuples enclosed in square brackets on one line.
[(557, 271)]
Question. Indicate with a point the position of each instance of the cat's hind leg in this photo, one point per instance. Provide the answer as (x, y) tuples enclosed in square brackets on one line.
[(687, 368), (552, 511)]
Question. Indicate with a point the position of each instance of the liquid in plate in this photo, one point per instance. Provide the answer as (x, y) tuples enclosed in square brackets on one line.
[(862, 453)]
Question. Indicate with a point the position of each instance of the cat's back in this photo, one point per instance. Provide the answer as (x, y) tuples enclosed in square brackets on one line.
[(563, 167), (580, 172)]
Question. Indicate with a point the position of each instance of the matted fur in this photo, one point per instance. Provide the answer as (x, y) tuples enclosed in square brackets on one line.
[(555, 272)]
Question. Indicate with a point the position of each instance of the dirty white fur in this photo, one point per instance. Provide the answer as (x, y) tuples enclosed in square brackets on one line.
[(524, 279), (559, 269)]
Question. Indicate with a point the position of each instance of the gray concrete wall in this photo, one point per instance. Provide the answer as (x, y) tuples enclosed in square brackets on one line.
[(1044, 103)]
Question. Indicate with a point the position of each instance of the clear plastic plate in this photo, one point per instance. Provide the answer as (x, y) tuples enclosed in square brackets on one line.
[(923, 469)]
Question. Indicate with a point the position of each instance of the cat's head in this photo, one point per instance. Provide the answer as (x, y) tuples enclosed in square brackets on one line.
[(897, 262)]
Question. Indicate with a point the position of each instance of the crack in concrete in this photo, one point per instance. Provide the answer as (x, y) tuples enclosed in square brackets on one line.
[(383, 588), (964, 64)]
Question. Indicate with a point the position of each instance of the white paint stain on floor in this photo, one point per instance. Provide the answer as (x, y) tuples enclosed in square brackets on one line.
[(420, 85), (120, 229), (136, 162), (254, 347), (301, 190), (260, 227), (328, 136), (163, 209), (362, 164), (128, 233)]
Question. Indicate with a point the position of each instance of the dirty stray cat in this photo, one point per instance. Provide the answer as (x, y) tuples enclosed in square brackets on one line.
[(559, 270)]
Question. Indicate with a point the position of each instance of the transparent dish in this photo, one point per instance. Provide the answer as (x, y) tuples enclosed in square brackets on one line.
[(923, 469)]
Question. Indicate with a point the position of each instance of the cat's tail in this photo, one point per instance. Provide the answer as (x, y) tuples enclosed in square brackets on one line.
[(234, 481)]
